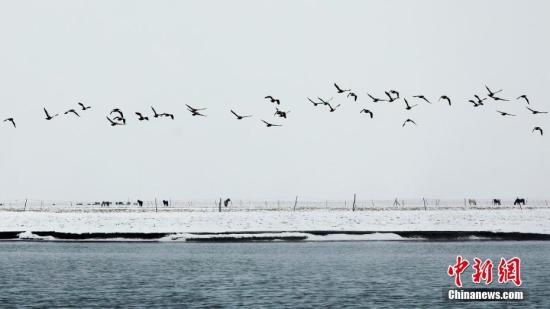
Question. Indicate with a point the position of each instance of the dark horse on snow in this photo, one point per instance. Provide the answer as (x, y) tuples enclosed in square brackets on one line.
[(519, 201), (496, 202)]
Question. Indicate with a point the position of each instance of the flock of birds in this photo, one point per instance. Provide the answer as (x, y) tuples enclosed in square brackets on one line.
[(117, 118)]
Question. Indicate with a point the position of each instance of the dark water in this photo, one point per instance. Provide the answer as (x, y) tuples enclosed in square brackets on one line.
[(329, 274)]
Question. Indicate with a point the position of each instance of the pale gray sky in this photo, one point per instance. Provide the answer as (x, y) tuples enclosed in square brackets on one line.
[(230, 54)]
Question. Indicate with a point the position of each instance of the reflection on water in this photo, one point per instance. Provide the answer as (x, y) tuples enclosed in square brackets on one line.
[(283, 274)]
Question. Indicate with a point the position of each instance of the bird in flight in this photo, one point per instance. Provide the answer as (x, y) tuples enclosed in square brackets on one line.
[(534, 112), (325, 102), (280, 113), (340, 90), (120, 119), (407, 121), (11, 120), (168, 115), (476, 103), (83, 106), (444, 97), (479, 100), (155, 114), (315, 103), (239, 117), (71, 111), (48, 116), (272, 99), (538, 129), (492, 93), (366, 111), (332, 109), (390, 97), (408, 107), (395, 92), (422, 98), (504, 113), (353, 95), (270, 124), (141, 117), (117, 110), (523, 96), (113, 123), (195, 111), (499, 99), (375, 99)]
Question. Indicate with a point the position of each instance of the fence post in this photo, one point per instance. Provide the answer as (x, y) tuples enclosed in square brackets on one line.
[(423, 199), (25, 205), (353, 206), (156, 206), (295, 202)]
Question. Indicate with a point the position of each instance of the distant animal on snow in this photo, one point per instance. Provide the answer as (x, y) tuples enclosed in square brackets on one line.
[(519, 201), (472, 202), (165, 203), (496, 202)]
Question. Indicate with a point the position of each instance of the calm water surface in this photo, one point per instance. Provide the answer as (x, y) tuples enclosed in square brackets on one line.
[(304, 274)]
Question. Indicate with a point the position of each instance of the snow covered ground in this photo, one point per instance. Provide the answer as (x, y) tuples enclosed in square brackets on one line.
[(505, 220)]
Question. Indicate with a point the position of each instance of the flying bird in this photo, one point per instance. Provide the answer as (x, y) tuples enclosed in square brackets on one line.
[(534, 112), (141, 117), (366, 111), (195, 111), (374, 99), (315, 103), (407, 121), (340, 90), (48, 117), (239, 117), (272, 99), (325, 102), (353, 95), (499, 99), (12, 121), (391, 98), (504, 113), (492, 93), (523, 96), (280, 113), (120, 119), (332, 109), (113, 123), (444, 97), (409, 107), (117, 110), (155, 114), (422, 97), (479, 100), (270, 124), (72, 111), (538, 129), (83, 106), (396, 93), (168, 115), (476, 103)]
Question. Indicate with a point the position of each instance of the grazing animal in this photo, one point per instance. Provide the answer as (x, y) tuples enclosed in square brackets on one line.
[(140, 203), (226, 202), (366, 111), (538, 129), (340, 90), (239, 117), (165, 203), (496, 202), (472, 202), (48, 116), (273, 100), (519, 201), (12, 121)]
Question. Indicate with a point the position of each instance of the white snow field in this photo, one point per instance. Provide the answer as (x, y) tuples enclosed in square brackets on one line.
[(528, 220)]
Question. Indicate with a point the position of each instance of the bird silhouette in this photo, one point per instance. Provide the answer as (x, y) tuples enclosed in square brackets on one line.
[(374, 99), (195, 111), (353, 95), (408, 107), (71, 111), (11, 120), (476, 103), (48, 116), (396, 93), (118, 111), (113, 123), (504, 113), (270, 124), (141, 117), (83, 107), (534, 112), (390, 97), (239, 117), (422, 97), (120, 119), (492, 93), (499, 99), (280, 113), (366, 111), (340, 90), (315, 103), (325, 102), (407, 121), (479, 100), (332, 109), (155, 114), (273, 100), (444, 97), (523, 96), (171, 116), (538, 129)]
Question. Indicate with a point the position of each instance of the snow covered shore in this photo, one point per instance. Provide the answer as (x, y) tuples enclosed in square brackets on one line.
[(506, 220)]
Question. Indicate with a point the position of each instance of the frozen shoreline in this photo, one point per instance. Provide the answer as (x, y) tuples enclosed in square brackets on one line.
[(491, 220)]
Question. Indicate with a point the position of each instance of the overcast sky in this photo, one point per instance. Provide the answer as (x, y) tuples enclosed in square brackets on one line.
[(229, 55)]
